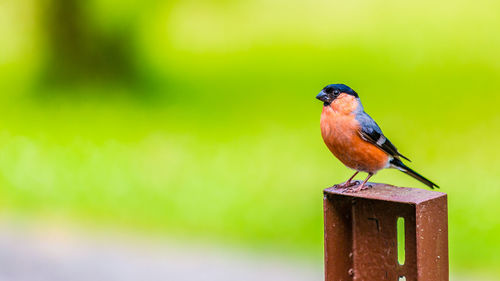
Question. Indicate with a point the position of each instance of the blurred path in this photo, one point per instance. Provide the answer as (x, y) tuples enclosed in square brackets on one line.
[(53, 257)]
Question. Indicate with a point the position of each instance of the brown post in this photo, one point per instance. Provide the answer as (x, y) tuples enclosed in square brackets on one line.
[(361, 242)]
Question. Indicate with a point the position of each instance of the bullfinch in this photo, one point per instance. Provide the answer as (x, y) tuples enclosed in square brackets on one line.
[(356, 140)]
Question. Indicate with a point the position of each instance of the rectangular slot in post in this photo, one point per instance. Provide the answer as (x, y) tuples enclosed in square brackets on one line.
[(401, 240)]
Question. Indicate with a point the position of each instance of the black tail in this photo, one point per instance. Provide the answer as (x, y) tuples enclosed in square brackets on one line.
[(405, 169)]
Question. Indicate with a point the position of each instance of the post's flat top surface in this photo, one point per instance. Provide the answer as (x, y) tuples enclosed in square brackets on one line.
[(386, 192)]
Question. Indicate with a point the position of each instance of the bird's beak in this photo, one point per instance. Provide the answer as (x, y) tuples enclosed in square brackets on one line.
[(322, 96)]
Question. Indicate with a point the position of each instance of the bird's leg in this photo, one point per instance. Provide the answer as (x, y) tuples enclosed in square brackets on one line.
[(348, 183), (362, 186)]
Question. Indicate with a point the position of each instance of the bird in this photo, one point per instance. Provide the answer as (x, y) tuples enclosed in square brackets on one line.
[(356, 139)]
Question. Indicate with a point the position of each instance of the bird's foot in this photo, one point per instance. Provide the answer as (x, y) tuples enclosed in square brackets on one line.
[(346, 185), (359, 188)]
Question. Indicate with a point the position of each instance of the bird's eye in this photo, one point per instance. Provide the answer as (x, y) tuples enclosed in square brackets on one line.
[(336, 92)]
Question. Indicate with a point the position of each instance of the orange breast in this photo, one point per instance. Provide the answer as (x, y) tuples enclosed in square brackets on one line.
[(340, 133)]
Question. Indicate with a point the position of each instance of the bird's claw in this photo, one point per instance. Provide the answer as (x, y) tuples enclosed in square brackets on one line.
[(346, 185), (354, 190)]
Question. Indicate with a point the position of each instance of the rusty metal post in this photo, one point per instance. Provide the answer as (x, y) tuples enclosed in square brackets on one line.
[(361, 241)]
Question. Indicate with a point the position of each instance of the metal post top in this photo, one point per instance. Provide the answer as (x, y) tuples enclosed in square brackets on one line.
[(386, 192)]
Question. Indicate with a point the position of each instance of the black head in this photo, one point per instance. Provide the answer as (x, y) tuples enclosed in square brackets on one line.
[(332, 91)]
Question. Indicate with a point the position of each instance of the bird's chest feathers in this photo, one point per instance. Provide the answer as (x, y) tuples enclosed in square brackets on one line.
[(337, 129), (338, 122)]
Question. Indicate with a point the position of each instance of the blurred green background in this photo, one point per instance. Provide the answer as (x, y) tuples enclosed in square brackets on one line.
[(197, 119)]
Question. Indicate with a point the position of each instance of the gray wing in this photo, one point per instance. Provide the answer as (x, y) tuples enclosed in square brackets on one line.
[(372, 133)]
